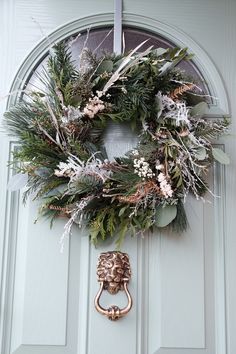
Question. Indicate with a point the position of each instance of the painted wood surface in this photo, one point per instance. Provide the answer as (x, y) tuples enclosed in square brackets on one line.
[(183, 287)]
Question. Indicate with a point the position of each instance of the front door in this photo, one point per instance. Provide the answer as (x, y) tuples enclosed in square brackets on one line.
[(178, 282)]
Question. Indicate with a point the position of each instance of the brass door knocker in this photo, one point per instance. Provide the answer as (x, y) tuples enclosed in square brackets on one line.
[(113, 271)]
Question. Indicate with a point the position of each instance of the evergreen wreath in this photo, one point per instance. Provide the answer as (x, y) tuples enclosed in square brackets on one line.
[(60, 131)]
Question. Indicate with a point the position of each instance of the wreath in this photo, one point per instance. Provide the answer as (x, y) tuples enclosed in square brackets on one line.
[(61, 150)]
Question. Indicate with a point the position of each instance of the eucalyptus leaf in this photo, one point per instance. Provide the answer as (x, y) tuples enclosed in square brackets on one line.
[(105, 66), (122, 210), (200, 109), (164, 215), (220, 156), (159, 105), (42, 172), (118, 63), (17, 182), (200, 154)]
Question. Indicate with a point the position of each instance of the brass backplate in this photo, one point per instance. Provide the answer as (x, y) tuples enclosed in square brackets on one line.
[(113, 270)]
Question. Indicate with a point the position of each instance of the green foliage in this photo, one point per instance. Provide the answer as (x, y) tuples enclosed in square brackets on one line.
[(199, 109), (60, 132), (220, 156), (180, 223), (61, 68), (165, 215)]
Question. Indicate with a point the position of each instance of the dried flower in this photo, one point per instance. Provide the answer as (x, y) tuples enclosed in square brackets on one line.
[(184, 132), (164, 185), (94, 106), (173, 110), (74, 168), (159, 166), (71, 114), (142, 168), (135, 152), (64, 170)]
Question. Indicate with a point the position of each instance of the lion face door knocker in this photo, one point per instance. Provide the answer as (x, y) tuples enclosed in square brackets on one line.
[(113, 271)]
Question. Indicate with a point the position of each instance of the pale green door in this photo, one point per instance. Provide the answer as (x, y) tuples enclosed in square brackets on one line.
[(182, 286)]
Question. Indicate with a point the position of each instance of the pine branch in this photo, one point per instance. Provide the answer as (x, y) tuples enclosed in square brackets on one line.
[(61, 67)]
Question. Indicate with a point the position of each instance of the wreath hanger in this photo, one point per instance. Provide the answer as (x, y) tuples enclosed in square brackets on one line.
[(117, 42)]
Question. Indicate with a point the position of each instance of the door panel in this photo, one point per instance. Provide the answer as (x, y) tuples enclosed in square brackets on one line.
[(178, 281), (172, 286), (183, 289), (45, 289)]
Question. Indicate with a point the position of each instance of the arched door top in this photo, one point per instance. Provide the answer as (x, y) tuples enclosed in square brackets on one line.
[(219, 106)]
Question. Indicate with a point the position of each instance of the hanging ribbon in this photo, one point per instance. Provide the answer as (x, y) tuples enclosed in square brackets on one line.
[(117, 44)]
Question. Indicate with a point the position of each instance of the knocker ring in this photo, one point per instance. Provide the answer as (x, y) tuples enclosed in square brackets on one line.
[(113, 271)]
